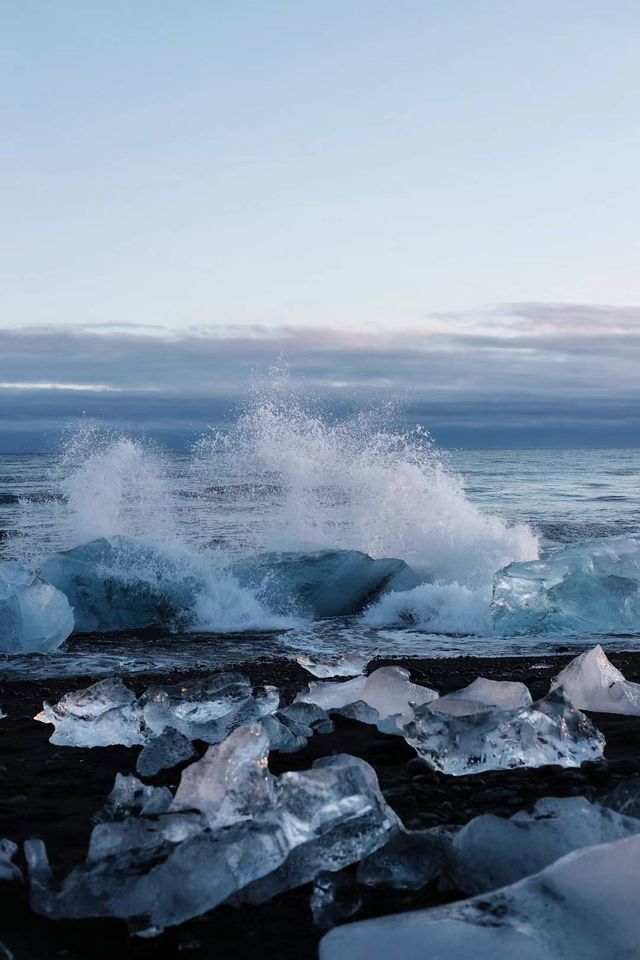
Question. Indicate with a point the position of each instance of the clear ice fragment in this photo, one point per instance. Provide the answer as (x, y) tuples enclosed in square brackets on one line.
[(167, 750), (34, 616), (103, 714), (482, 695), (592, 682)]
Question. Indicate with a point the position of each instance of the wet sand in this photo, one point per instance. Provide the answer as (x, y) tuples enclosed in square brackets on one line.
[(53, 792)]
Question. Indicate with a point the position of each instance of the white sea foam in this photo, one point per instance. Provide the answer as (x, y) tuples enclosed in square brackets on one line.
[(435, 608)]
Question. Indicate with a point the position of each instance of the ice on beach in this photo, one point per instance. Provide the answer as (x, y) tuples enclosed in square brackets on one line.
[(120, 583), (592, 587), (550, 731), (593, 683), (167, 750), (8, 869), (491, 852), (625, 798), (325, 583), (338, 666), (584, 905), (291, 728), (230, 824), (483, 695), (35, 617), (386, 697), (207, 709), (408, 861), (103, 714)]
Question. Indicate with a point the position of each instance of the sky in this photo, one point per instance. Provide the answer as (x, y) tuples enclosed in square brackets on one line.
[(437, 201)]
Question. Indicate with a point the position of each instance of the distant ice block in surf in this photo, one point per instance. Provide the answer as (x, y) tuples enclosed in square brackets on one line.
[(35, 617), (593, 683), (231, 824), (592, 587), (491, 852), (385, 698), (338, 666), (585, 905), (325, 583), (550, 731)]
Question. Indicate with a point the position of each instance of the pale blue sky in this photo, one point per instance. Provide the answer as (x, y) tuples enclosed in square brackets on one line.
[(437, 200), (323, 163)]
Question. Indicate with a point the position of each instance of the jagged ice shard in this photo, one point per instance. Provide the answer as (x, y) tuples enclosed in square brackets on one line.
[(584, 905), (35, 617), (230, 824), (592, 587), (491, 852), (103, 714), (593, 683), (550, 731)]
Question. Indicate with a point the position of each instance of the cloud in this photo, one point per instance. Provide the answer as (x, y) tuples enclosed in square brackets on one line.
[(520, 370)]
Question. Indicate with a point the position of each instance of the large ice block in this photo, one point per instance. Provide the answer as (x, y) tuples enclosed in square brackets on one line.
[(325, 583), (550, 731), (491, 852), (591, 587), (483, 695), (103, 714), (593, 683), (35, 617), (584, 905), (118, 583)]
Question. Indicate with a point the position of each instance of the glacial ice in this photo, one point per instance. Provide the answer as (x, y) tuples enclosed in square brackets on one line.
[(386, 697), (593, 683), (591, 587), (167, 750), (291, 728), (207, 709), (625, 798), (491, 852), (325, 583), (230, 824), (103, 714), (584, 905), (337, 666), (483, 695), (408, 861), (550, 731), (8, 869), (35, 617), (120, 583)]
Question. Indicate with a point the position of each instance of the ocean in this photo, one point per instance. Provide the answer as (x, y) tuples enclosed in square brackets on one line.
[(284, 479)]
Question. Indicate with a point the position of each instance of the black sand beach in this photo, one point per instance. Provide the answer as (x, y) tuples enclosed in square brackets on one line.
[(53, 792)]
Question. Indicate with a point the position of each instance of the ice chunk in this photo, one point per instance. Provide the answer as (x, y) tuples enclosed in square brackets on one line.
[(165, 751), (8, 869), (593, 683), (291, 728), (34, 616), (231, 782), (491, 852), (134, 833), (327, 583), (584, 905), (338, 666), (161, 883), (625, 798), (336, 897), (592, 587), (207, 709), (408, 861), (105, 713), (482, 695), (385, 697), (131, 798), (332, 815), (550, 731)]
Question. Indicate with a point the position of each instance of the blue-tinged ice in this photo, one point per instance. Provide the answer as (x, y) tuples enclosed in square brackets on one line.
[(592, 587), (326, 583), (35, 617)]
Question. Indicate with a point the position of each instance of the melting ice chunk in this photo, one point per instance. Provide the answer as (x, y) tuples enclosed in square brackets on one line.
[(386, 697), (339, 666), (164, 752), (292, 727), (34, 616), (584, 905), (8, 869), (408, 861), (491, 852), (593, 683), (327, 583), (131, 798), (104, 714), (550, 731), (483, 695), (592, 587)]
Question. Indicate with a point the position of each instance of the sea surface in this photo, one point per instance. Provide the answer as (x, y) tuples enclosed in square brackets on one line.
[(283, 479)]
